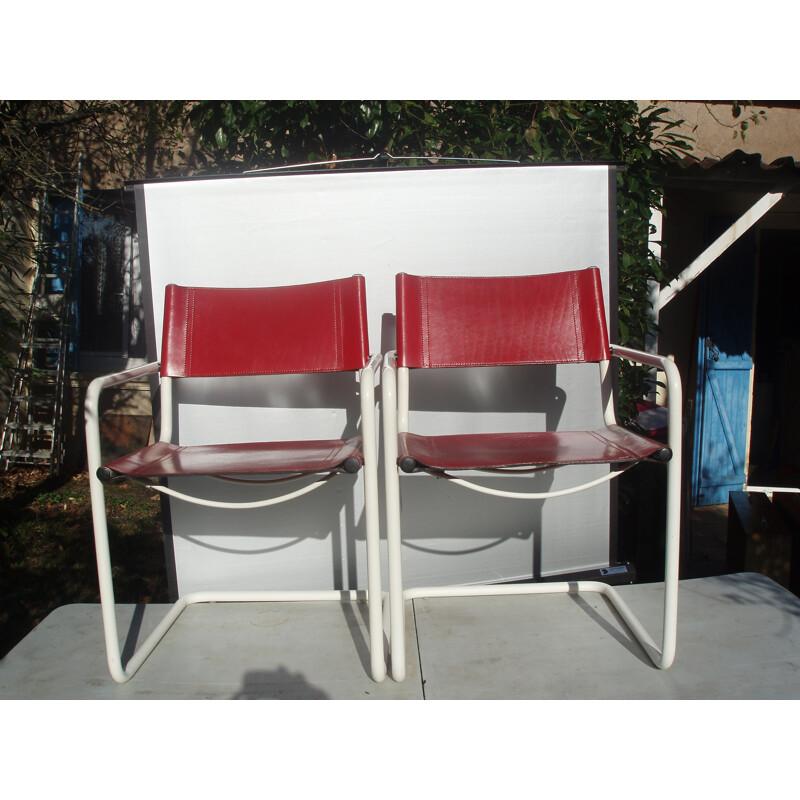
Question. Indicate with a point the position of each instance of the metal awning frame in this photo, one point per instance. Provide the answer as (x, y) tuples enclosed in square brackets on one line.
[(662, 296)]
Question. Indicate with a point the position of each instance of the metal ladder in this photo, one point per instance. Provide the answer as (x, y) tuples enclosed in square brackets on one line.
[(32, 434)]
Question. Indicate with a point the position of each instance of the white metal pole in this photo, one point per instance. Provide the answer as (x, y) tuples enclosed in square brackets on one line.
[(372, 518), (389, 413)]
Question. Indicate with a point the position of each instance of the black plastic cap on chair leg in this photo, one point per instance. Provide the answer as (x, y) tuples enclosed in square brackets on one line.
[(106, 475), (663, 455), (351, 465), (408, 464)]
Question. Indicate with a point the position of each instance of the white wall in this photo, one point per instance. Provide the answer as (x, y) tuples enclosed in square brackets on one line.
[(279, 229)]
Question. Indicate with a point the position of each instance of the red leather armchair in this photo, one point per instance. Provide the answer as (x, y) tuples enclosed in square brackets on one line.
[(450, 322), (227, 332)]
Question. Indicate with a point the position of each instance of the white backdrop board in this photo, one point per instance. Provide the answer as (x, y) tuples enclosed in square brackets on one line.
[(279, 228)]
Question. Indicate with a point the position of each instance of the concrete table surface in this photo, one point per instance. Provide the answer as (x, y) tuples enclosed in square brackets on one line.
[(738, 638)]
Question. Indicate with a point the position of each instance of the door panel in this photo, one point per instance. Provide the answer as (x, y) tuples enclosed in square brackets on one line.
[(724, 372)]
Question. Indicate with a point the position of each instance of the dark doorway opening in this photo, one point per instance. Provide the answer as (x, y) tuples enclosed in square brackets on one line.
[(775, 422)]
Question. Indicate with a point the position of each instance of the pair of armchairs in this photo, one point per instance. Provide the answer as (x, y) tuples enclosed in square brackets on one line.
[(442, 322)]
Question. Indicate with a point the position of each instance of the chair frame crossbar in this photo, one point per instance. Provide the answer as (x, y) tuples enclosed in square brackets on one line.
[(272, 501), (476, 487)]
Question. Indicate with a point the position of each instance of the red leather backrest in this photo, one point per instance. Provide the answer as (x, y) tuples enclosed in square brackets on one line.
[(529, 319), (316, 327)]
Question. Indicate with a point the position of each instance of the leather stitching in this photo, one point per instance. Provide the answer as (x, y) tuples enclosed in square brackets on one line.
[(188, 330), (426, 360), (578, 358), (188, 324), (337, 323), (576, 320)]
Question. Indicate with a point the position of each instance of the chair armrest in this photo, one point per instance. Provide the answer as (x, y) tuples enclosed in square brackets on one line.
[(650, 359), (674, 390), (367, 380), (665, 364), (390, 360), (373, 365), (91, 407), (394, 388), (367, 392), (115, 378)]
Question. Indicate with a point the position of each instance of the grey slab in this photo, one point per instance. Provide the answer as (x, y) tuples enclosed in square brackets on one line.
[(213, 651), (738, 638)]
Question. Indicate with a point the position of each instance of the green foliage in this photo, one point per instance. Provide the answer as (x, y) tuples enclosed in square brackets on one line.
[(741, 121), (236, 135), (753, 117)]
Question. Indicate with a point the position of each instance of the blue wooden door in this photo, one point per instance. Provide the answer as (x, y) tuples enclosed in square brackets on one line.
[(724, 367)]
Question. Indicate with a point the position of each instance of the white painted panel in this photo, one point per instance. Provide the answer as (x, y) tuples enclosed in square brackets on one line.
[(281, 229)]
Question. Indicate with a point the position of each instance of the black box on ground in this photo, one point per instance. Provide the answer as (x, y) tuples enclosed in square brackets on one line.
[(761, 539)]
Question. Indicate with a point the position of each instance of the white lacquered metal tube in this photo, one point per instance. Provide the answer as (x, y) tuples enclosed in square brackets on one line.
[(99, 521), (475, 487), (607, 393), (372, 518), (392, 500), (200, 501), (165, 416), (403, 393), (673, 512), (672, 557), (150, 644), (560, 587)]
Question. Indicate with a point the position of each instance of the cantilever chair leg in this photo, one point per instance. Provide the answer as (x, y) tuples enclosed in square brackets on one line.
[(661, 655), (396, 598), (372, 519), (122, 673)]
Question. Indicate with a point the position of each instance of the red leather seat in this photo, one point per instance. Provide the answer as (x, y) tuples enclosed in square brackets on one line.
[(610, 445), (167, 460)]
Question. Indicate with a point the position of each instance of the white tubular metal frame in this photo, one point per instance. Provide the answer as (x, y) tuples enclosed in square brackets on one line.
[(476, 487), (272, 501), (394, 419), (122, 673)]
